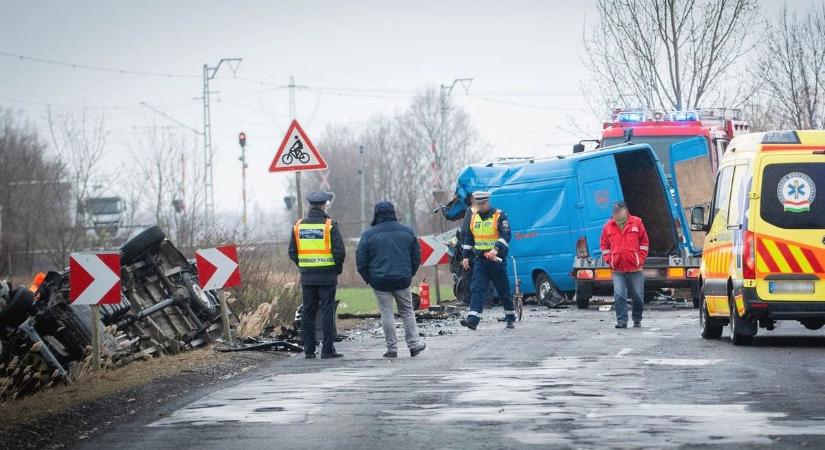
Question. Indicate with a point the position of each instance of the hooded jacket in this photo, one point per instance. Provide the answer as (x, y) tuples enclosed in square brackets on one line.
[(625, 249), (388, 253), (321, 275)]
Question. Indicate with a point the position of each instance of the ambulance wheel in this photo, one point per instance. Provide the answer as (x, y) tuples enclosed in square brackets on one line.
[(739, 328), (584, 292), (709, 326)]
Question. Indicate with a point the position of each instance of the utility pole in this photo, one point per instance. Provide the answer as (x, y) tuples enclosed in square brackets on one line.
[(363, 195), (298, 199), (209, 188), (441, 135), (242, 142)]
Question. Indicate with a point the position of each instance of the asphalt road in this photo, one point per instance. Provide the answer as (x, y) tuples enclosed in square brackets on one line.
[(561, 379)]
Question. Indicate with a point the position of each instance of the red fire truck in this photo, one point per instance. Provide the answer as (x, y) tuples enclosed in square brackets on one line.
[(661, 129)]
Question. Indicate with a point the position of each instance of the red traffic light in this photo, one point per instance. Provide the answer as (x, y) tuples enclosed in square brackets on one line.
[(242, 139)]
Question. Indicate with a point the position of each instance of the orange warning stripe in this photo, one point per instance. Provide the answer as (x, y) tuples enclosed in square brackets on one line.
[(779, 256)]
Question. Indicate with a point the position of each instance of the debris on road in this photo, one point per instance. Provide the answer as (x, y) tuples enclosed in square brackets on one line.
[(44, 340), (251, 343)]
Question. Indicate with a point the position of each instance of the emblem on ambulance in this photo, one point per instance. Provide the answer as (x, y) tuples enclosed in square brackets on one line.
[(796, 192)]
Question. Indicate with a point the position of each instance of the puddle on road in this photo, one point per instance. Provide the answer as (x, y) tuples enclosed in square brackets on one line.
[(578, 402), (682, 362), (281, 399)]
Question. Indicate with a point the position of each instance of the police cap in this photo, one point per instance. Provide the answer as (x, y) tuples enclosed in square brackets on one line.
[(481, 196), (318, 197)]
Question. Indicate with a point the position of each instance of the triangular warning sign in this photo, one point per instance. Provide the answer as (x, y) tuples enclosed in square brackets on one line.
[(297, 152)]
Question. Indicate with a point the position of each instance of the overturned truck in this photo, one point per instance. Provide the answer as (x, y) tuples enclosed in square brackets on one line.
[(163, 310)]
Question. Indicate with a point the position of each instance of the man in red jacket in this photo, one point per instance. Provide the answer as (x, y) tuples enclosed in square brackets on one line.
[(625, 246)]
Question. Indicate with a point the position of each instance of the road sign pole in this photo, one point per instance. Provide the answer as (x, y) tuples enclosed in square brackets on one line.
[(96, 336), (299, 199), (437, 286), (227, 332)]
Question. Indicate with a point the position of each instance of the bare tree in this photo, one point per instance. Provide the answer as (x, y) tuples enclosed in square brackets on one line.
[(791, 69), (165, 171), (31, 204), (79, 140), (667, 53)]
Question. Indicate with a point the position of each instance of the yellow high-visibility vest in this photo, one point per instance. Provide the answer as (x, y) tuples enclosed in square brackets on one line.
[(314, 244), (485, 231)]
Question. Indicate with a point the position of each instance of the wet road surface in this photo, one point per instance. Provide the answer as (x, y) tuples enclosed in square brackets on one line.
[(561, 379)]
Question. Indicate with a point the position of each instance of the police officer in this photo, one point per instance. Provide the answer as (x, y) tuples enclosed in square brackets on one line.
[(487, 238), (317, 247)]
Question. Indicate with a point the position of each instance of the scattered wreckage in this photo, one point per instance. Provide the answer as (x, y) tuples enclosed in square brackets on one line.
[(44, 340)]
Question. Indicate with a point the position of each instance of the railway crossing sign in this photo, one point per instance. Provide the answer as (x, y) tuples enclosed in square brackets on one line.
[(218, 267), (94, 278), (297, 153)]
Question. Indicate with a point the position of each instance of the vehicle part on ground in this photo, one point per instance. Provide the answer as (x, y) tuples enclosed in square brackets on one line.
[(252, 344), (46, 340)]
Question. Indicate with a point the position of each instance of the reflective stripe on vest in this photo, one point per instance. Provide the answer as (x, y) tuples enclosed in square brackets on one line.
[(485, 231), (314, 244)]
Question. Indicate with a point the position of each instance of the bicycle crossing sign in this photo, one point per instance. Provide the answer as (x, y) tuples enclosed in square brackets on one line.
[(297, 153)]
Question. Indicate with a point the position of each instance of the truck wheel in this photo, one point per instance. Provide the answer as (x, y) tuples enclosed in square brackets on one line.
[(741, 332), (584, 292), (145, 240), (709, 326), (546, 292)]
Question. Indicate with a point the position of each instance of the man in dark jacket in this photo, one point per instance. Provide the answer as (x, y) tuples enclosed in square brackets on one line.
[(317, 247), (388, 256)]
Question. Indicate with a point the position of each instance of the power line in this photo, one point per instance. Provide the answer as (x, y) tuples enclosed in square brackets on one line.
[(523, 105), (95, 68)]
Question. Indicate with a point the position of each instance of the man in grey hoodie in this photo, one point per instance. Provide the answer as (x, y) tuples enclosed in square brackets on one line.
[(387, 257)]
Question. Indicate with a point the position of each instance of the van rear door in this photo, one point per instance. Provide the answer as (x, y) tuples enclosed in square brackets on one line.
[(598, 188), (789, 227), (692, 183)]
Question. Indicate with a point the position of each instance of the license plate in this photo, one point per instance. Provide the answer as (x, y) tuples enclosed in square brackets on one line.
[(791, 287), (651, 273)]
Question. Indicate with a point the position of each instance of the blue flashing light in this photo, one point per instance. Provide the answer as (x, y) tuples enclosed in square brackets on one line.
[(685, 116), (635, 116)]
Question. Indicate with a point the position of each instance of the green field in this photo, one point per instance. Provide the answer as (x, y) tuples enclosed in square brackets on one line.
[(362, 300)]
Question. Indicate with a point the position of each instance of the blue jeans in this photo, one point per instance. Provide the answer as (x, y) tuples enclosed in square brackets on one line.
[(484, 271), (635, 281)]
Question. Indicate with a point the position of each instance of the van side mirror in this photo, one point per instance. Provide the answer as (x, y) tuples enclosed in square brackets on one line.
[(697, 219), (578, 148)]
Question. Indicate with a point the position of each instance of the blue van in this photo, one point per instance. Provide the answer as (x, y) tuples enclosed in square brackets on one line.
[(557, 207)]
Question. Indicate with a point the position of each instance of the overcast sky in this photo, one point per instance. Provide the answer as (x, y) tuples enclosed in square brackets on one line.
[(369, 56)]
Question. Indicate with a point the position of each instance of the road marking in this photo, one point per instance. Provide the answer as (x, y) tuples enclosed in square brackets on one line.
[(623, 352), (682, 362)]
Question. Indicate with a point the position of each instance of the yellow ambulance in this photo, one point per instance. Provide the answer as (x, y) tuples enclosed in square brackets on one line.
[(764, 252)]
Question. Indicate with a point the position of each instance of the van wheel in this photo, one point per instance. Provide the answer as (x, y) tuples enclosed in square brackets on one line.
[(546, 292), (709, 326), (144, 241), (584, 292), (739, 327)]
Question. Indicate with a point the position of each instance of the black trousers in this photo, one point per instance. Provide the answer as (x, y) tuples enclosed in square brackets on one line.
[(315, 296)]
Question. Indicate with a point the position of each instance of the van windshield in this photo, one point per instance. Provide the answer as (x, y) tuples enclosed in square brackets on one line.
[(789, 197), (661, 145)]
